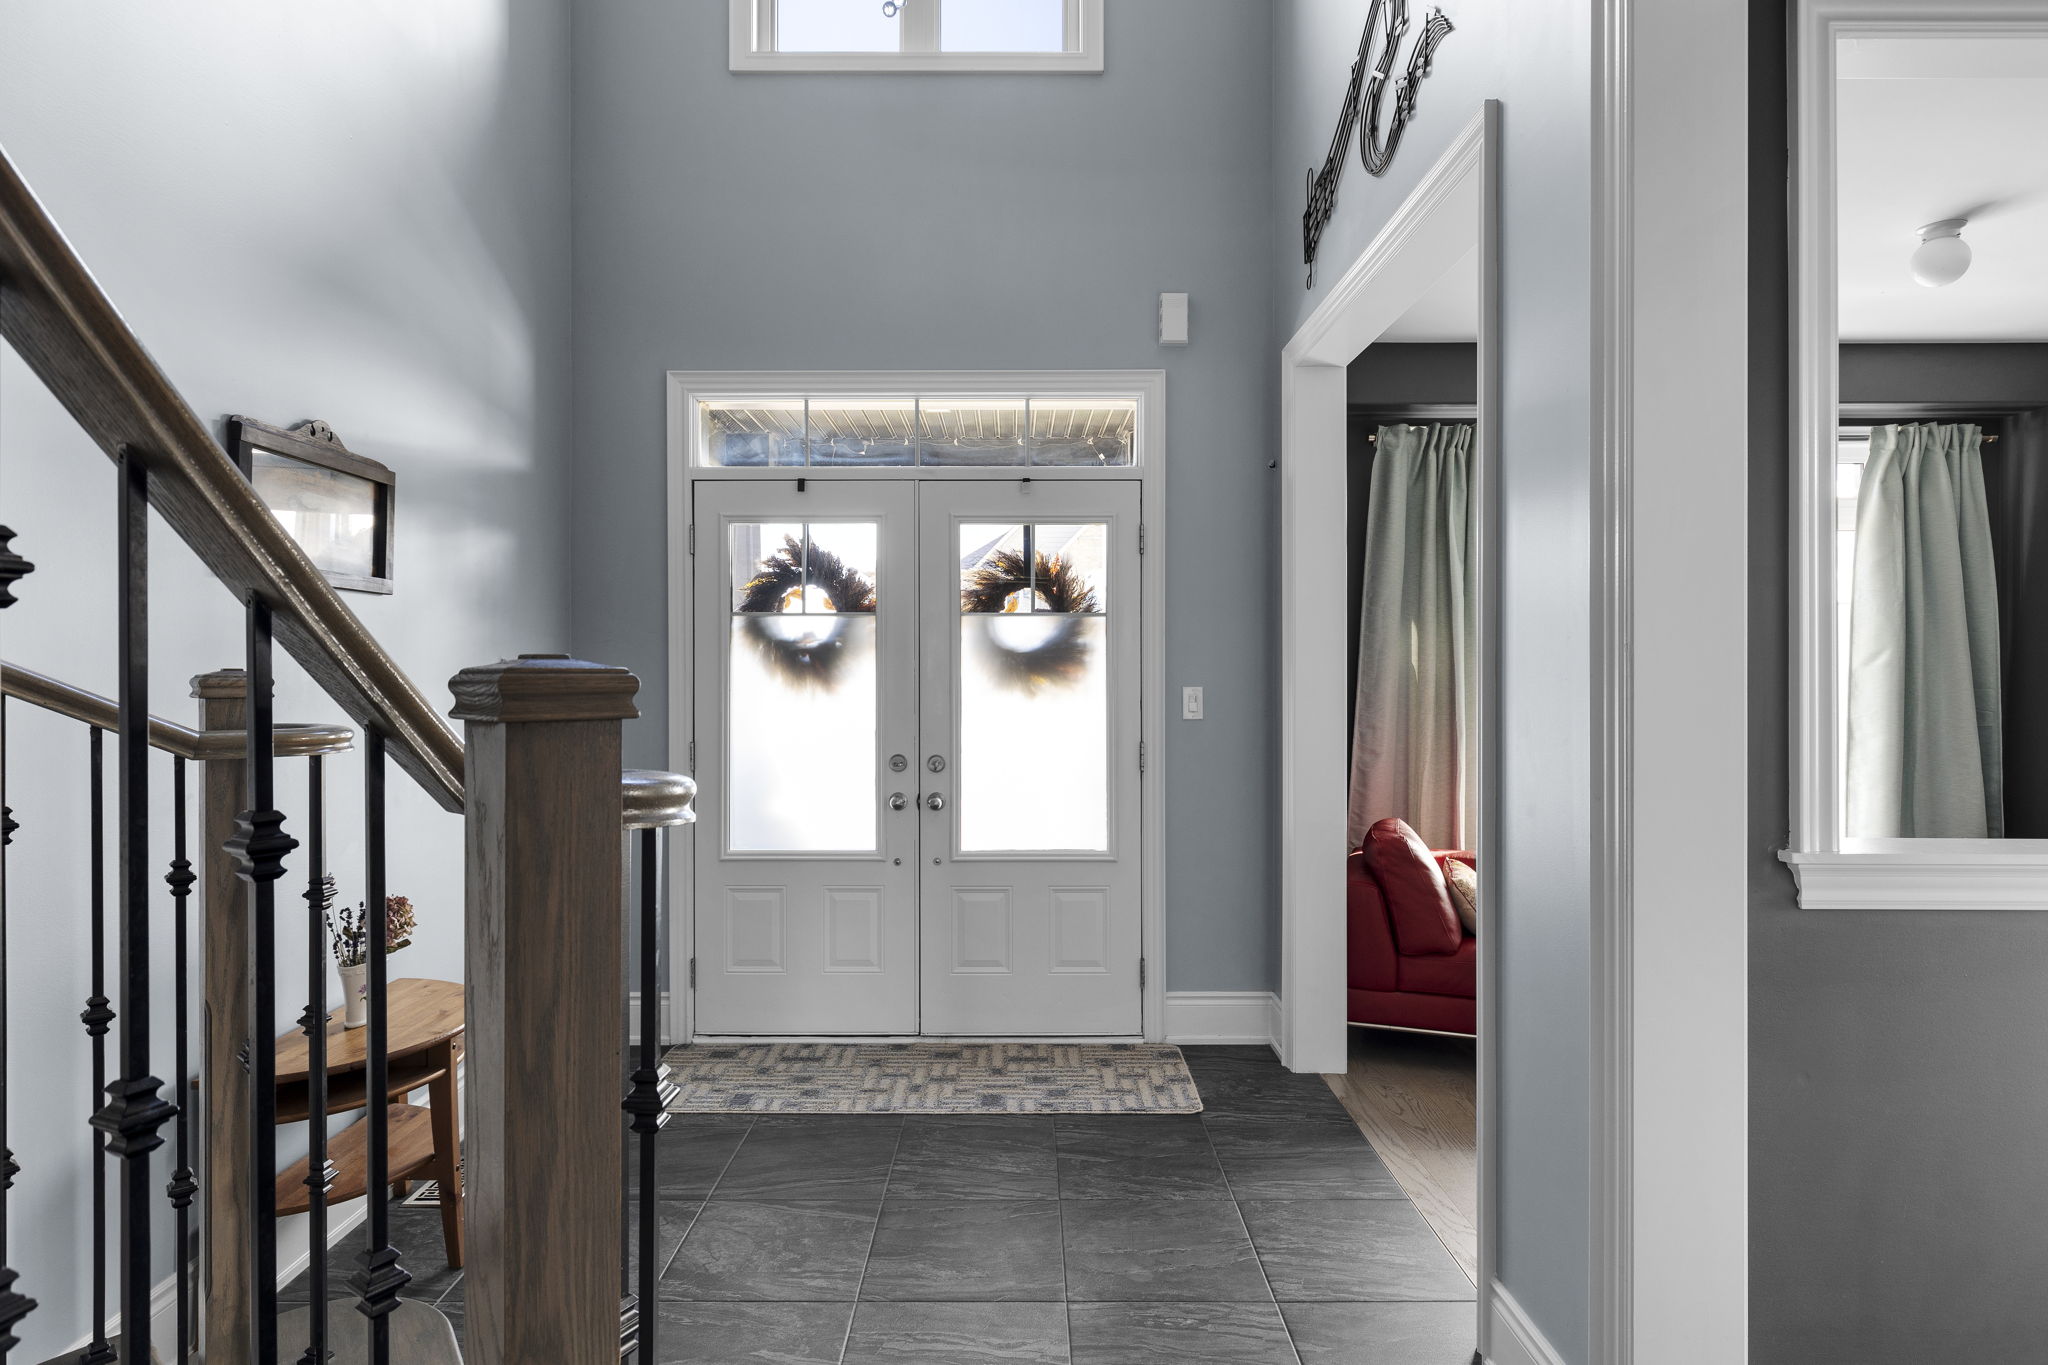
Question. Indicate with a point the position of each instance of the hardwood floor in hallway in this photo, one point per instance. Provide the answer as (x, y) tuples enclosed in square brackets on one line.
[(1415, 1096), (1262, 1231)]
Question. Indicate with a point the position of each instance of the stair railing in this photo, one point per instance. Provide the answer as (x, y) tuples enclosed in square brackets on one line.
[(545, 939)]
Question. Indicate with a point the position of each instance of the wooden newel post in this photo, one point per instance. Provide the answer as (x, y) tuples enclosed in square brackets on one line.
[(543, 1171)]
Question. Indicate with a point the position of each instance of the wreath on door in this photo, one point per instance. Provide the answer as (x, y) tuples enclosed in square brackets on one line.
[(1040, 636), (795, 611)]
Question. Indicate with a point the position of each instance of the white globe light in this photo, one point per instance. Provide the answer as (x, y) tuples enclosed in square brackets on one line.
[(1943, 255)]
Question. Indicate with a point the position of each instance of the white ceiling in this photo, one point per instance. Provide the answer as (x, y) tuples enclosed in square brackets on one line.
[(1449, 311), (1943, 128)]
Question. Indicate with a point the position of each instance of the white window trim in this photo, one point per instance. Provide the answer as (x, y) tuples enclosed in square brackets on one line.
[(1834, 872), (752, 47), (1148, 470)]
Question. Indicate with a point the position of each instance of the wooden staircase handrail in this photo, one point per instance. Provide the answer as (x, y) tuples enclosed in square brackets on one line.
[(57, 318), (204, 746)]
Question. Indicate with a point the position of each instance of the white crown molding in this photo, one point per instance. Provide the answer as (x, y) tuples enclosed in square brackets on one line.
[(1514, 1340)]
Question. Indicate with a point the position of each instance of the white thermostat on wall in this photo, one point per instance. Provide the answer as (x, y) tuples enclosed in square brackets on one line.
[(1173, 319)]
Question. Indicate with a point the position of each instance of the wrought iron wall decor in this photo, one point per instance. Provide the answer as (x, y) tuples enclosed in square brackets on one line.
[(1387, 20)]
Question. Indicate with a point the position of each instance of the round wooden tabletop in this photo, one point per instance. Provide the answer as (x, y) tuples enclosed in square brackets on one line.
[(421, 1012)]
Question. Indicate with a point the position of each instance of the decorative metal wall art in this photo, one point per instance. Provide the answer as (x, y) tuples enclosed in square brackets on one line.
[(1386, 21)]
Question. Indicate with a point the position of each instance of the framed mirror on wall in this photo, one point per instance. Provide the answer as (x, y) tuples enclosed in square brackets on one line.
[(1920, 479), (335, 503)]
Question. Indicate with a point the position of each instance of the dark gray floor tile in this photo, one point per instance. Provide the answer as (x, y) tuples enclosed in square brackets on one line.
[(691, 1153), (1232, 1083), (794, 1252), (1348, 1250), (1382, 1333), (975, 1158), (827, 1158), (1178, 1334), (672, 1223), (690, 1333), (1138, 1157), (969, 1250), (1183, 1250), (1310, 1159), (958, 1334)]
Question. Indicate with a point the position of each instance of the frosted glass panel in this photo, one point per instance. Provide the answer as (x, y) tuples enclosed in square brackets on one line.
[(802, 687), (835, 26), (1034, 733), (1003, 26), (1083, 431), (1041, 567), (751, 432), (863, 431), (973, 431)]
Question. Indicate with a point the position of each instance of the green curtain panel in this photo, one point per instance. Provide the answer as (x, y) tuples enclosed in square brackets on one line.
[(1924, 744), (1412, 745)]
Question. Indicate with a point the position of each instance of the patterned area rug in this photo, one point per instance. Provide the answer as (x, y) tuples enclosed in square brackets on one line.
[(931, 1078)]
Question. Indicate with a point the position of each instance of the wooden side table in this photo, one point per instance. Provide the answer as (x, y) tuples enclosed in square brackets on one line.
[(426, 1023)]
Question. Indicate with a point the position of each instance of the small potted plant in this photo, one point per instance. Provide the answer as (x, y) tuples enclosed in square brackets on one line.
[(350, 931)]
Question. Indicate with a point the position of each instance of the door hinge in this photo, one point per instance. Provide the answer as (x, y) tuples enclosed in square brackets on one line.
[(1141, 973), (1141, 756), (1141, 537), (693, 537), (693, 758), (693, 973)]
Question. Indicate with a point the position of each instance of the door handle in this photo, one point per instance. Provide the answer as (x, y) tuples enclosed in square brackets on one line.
[(935, 802), (897, 801)]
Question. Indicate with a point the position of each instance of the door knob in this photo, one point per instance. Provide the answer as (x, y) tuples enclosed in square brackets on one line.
[(897, 801), (935, 802)]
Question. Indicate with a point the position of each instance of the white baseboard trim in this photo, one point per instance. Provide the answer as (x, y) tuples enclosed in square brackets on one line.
[(1222, 1017), (1514, 1339)]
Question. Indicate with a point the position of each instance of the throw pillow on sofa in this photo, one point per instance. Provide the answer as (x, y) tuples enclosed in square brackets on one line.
[(1418, 902), (1464, 885)]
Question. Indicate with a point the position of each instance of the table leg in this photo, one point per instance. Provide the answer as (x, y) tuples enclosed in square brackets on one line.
[(448, 1152)]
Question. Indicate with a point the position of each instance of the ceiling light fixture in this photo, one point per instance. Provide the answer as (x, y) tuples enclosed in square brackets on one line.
[(1943, 255)]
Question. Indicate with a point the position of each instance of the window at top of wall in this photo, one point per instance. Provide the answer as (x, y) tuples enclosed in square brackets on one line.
[(916, 35)]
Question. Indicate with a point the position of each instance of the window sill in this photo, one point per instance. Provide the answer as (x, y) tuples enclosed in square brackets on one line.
[(1042, 63), (1924, 874)]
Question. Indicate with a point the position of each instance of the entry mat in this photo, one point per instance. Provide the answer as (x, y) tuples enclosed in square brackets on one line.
[(931, 1078)]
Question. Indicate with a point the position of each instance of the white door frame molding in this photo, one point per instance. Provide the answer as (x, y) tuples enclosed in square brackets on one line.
[(1670, 779), (1148, 386), (1452, 212)]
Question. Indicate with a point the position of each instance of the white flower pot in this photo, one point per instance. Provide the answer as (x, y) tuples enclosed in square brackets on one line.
[(355, 995)]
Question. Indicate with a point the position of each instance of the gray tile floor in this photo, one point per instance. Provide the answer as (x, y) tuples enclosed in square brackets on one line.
[(1263, 1230)]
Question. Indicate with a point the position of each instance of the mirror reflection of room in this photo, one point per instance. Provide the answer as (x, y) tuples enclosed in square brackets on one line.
[(1941, 563)]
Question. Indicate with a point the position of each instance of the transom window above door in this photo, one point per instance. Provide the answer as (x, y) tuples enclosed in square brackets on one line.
[(850, 430), (917, 35)]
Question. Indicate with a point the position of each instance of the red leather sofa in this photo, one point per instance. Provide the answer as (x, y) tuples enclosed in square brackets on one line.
[(1412, 965)]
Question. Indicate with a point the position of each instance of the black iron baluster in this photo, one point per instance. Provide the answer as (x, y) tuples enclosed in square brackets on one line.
[(14, 1306), (319, 1170), (96, 1016), (136, 1110), (652, 1090), (381, 1277), (259, 846), (183, 1185)]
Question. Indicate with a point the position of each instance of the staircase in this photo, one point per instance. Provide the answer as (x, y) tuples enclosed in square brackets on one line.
[(556, 1104)]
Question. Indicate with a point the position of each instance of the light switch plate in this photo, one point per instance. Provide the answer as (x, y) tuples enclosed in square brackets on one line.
[(1191, 703)]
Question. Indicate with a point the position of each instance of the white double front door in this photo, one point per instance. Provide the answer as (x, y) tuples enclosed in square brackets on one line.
[(918, 769)]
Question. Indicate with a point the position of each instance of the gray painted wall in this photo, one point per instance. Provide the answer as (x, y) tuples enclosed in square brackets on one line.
[(1896, 1107), (953, 222), (1535, 56), (355, 213)]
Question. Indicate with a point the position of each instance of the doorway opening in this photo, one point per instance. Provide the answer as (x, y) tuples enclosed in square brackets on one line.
[(1389, 737)]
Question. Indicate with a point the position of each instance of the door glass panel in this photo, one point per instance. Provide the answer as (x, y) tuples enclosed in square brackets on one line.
[(972, 431), (801, 687), (1083, 431), (1033, 688), (863, 431)]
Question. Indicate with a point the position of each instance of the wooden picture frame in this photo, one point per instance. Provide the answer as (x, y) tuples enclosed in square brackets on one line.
[(320, 490)]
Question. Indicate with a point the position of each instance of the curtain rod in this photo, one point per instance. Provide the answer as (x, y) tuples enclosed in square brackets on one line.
[(1864, 436)]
